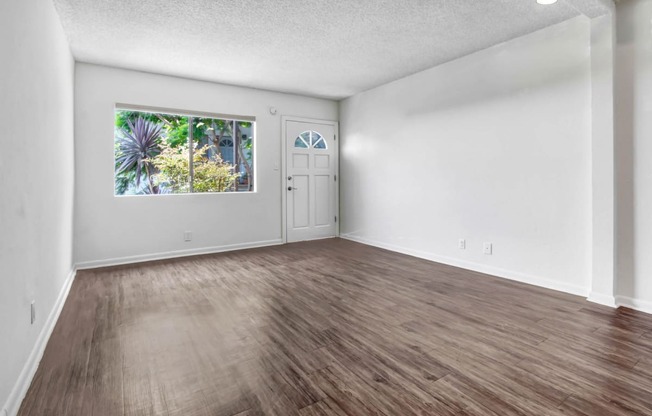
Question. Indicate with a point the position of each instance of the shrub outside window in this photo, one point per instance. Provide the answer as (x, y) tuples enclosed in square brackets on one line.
[(167, 153)]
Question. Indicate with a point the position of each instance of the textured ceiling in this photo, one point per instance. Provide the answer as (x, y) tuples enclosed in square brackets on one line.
[(325, 48)]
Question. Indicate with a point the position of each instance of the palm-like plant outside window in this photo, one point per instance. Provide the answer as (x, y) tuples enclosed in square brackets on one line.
[(136, 147)]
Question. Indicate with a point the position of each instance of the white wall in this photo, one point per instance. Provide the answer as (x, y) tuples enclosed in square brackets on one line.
[(603, 267), (493, 147), (111, 229), (634, 152), (36, 178)]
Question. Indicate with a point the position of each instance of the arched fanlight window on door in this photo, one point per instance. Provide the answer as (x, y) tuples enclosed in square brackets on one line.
[(310, 139)]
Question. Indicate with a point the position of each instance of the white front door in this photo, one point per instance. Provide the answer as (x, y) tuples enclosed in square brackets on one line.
[(310, 181)]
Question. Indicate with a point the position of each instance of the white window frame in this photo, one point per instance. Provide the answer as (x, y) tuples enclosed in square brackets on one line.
[(202, 114)]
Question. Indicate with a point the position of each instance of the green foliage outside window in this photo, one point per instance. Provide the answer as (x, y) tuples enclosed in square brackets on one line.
[(150, 150), (208, 175)]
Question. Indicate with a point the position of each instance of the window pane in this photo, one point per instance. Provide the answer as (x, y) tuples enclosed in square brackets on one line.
[(152, 154), (140, 138), (300, 143), (314, 137), (320, 144)]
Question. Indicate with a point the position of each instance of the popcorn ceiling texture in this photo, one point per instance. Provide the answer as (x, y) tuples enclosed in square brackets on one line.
[(331, 49)]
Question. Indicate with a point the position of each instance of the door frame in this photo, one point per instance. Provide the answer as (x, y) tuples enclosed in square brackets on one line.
[(284, 172)]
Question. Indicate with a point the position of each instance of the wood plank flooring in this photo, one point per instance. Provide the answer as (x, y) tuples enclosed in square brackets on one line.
[(335, 328)]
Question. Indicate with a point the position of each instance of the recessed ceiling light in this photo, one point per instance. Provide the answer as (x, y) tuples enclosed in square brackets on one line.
[(546, 1)]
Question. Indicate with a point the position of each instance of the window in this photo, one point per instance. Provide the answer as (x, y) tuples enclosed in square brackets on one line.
[(310, 139), (153, 151)]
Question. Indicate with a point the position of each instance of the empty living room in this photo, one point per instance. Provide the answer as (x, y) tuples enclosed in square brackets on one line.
[(326, 208)]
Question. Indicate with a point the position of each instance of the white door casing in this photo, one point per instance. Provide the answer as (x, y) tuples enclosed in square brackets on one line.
[(310, 181)]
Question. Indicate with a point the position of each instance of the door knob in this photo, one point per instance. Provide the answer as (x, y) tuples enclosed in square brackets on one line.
[(289, 178)]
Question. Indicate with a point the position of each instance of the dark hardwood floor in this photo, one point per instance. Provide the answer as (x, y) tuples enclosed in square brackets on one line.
[(335, 328)]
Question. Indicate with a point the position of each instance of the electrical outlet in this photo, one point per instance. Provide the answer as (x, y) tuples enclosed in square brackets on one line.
[(462, 244), (488, 249), (187, 236), (32, 309)]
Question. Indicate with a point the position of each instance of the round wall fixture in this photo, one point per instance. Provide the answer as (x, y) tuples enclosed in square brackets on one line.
[(272, 111)]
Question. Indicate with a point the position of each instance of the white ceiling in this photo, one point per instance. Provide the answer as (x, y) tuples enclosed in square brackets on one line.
[(324, 48)]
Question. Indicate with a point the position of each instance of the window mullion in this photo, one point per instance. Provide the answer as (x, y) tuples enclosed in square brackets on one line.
[(191, 151), (236, 155)]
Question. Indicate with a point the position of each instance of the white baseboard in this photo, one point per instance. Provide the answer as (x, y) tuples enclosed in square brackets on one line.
[(25, 379), (637, 304), (174, 254), (602, 299), (494, 271)]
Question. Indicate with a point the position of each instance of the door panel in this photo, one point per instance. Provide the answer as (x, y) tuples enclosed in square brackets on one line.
[(310, 180), (300, 201), (300, 161), (322, 161), (322, 200)]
